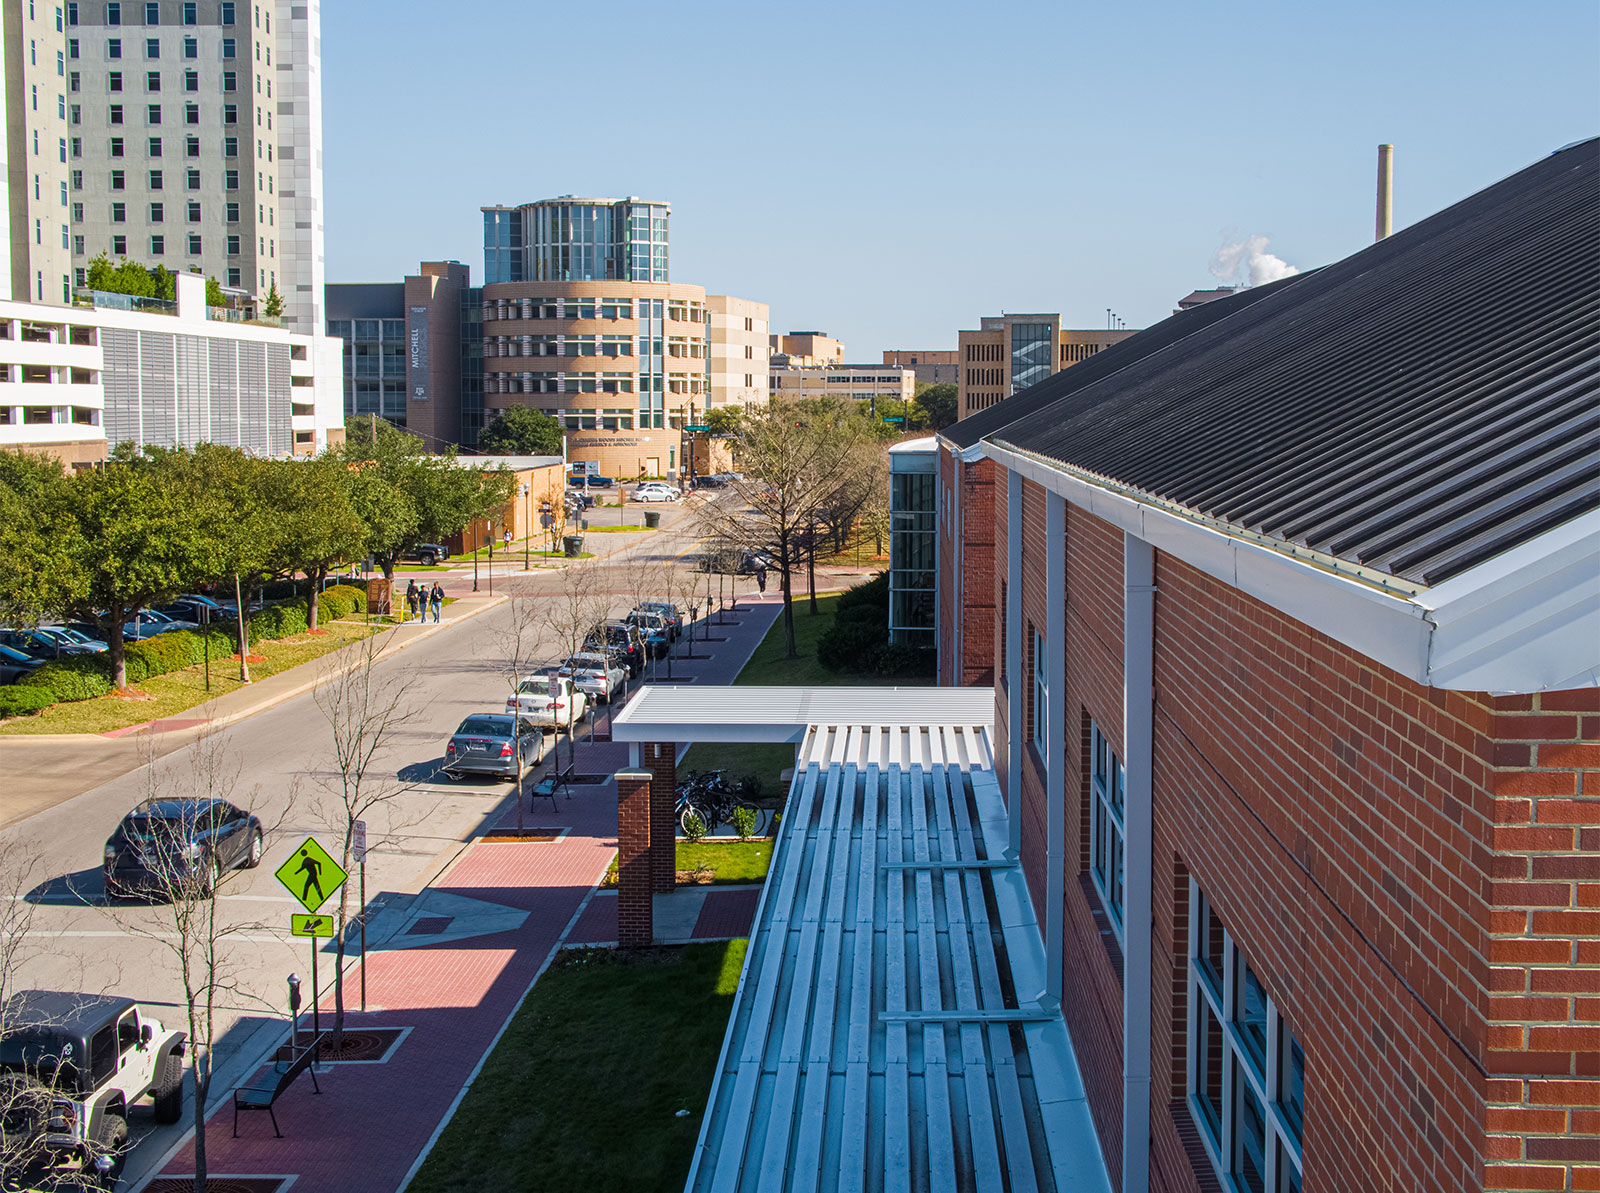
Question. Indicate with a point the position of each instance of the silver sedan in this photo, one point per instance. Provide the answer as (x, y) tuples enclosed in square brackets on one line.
[(489, 743)]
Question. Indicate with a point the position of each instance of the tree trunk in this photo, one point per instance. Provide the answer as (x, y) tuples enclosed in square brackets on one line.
[(244, 631), (338, 950), (202, 1092), (117, 649), (316, 575), (790, 650), (811, 570)]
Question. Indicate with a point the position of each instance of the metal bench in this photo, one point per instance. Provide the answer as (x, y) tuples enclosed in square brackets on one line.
[(554, 781), (261, 1097)]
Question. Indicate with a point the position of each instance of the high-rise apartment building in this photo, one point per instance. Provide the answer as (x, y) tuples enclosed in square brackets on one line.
[(568, 239), (36, 146), (1011, 352), (176, 110)]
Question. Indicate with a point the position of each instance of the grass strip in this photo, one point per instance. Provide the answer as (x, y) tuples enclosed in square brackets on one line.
[(584, 1088), (728, 861), (179, 691)]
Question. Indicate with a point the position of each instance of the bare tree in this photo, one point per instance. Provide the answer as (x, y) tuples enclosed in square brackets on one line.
[(365, 708), (189, 880), (795, 455), (25, 1091), (515, 646), (578, 608)]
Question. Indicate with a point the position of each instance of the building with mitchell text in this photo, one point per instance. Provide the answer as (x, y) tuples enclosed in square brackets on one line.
[(1294, 628), (580, 321)]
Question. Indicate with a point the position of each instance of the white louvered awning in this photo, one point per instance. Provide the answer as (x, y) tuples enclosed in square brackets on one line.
[(886, 1034)]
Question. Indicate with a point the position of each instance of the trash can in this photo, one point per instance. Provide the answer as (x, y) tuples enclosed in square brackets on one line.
[(652, 519), (572, 546)]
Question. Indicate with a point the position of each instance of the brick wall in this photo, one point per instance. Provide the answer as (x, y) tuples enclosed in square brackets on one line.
[(660, 759), (1543, 1093), (978, 547), (1411, 872), (635, 913)]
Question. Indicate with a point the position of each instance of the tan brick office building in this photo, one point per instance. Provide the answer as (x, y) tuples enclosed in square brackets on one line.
[(1010, 352)]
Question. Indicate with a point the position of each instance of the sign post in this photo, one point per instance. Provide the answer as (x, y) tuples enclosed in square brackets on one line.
[(358, 850), (312, 876)]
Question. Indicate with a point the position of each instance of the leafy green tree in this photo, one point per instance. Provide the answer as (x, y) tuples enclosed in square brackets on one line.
[(724, 421), (521, 431), (274, 305), (320, 525), (214, 295), (101, 545), (941, 402), (102, 273), (165, 283)]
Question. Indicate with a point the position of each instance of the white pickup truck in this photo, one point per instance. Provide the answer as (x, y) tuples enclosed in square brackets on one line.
[(549, 700)]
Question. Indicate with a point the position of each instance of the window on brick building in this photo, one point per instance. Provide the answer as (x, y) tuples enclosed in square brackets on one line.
[(1106, 783), (1041, 695), (1246, 1078)]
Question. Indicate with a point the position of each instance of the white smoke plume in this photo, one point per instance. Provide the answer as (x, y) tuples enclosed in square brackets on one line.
[(1246, 262)]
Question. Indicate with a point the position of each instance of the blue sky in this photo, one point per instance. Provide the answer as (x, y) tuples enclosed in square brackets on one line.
[(890, 172)]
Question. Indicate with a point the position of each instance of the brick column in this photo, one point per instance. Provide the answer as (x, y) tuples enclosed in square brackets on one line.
[(635, 922), (660, 759)]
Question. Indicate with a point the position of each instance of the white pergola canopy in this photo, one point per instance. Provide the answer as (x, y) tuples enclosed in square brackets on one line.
[(687, 713)]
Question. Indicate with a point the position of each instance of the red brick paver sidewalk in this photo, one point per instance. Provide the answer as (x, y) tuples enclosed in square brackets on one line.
[(372, 1121)]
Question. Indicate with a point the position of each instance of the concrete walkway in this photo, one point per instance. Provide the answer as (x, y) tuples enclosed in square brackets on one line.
[(451, 968)]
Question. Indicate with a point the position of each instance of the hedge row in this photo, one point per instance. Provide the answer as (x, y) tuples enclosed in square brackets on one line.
[(83, 677)]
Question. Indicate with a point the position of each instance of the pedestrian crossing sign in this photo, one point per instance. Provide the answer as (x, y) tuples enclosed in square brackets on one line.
[(311, 925), (311, 875)]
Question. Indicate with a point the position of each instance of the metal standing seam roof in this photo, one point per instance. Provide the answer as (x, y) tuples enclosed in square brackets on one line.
[(1417, 408), (884, 1035)]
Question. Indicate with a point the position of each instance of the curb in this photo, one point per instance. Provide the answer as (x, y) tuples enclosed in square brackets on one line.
[(37, 739)]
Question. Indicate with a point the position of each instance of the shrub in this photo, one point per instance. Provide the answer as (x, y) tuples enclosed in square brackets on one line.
[(744, 822), (23, 701), (873, 594), (748, 786), (904, 660), (332, 605), (853, 646), (355, 594), (79, 678), (694, 827)]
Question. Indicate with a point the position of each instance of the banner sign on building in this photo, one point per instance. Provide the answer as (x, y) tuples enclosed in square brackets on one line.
[(417, 347)]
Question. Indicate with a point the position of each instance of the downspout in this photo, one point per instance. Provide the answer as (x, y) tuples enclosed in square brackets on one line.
[(957, 608), (1138, 678), (1055, 738), (1013, 649)]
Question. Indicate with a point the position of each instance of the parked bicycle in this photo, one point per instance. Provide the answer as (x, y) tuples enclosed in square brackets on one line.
[(709, 797)]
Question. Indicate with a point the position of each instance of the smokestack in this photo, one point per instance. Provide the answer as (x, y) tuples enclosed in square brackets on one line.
[(1385, 191)]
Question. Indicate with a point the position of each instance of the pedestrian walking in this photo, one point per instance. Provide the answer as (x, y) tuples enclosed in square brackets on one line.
[(411, 600), (436, 600), (761, 580)]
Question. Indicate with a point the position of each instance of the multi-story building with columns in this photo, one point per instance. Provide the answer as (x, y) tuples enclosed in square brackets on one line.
[(1294, 631), (580, 321), (1011, 352)]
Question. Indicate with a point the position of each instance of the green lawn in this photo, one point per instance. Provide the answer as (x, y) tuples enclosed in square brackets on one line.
[(768, 665), (728, 861), (583, 1090), (178, 691)]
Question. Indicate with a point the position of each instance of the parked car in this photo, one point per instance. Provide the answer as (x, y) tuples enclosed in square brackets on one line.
[(184, 609), (147, 620), (710, 481), (549, 699), (487, 743), (598, 676), (579, 499), (14, 664), (584, 480), (39, 645), (99, 1054), (657, 637), (427, 554), (752, 560), (621, 640), (88, 638), (668, 612), (654, 491), (164, 843)]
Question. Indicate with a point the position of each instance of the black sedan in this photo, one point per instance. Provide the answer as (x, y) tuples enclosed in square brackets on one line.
[(14, 664), (169, 846)]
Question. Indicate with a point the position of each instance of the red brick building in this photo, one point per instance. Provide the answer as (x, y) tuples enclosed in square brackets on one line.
[(1292, 609)]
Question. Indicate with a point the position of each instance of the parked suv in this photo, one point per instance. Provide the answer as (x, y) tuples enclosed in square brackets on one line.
[(427, 554), (623, 642), (75, 1064)]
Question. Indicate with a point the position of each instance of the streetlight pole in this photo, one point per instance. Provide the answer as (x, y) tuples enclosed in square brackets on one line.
[(527, 521)]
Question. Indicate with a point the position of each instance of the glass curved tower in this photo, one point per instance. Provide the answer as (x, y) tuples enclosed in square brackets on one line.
[(570, 239)]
